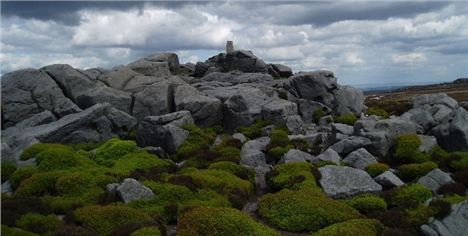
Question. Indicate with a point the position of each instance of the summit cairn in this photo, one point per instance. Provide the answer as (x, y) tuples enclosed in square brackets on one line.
[(229, 47)]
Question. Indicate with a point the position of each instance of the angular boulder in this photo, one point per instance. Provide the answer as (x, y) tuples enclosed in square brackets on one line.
[(164, 131), (159, 65), (28, 92), (456, 223), (278, 110), (132, 190), (281, 70), (252, 152), (329, 156), (349, 100), (244, 61), (435, 179), (342, 181), (452, 133), (294, 155), (360, 159), (389, 180), (347, 145)]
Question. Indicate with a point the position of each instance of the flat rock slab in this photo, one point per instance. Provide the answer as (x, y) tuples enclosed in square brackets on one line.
[(435, 179), (342, 181)]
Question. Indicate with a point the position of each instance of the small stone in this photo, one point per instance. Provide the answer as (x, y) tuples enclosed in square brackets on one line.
[(131, 190)]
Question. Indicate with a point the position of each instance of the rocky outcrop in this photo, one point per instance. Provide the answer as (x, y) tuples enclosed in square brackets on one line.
[(456, 223), (95, 124), (349, 100), (294, 155), (452, 133), (244, 61), (341, 181), (360, 159), (164, 131), (28, 92), (435, 179), (159, 65)]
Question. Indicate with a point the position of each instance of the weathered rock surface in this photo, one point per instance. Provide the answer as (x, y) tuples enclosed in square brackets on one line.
[(341, 181), (252, 152), (132, 190), (307, 108), (452, 133), (95, 124), (435, 179), (456, 223), (389, 180), (244, 61), (159, 65), (281, 70), (347, 145), (349, 100), (360, 159), (164, 131), (294, 155), (206, 111), (329, 156), (28, 92)]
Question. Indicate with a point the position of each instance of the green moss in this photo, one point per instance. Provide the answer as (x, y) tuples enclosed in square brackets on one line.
[(9, 231), (142, 160), (38, 223), (73, 184), (33, 150), (147, 231), (219, 181), (278, 138), (85, 146), (454, 199), (414, 171), (348, 119), (459, 160), (63, 204), (38, 184), (255, 130), (376, 169), (296, 175), (112, 150), (361, 227), (367, 203), (7, 170), (103, 180), (411, 195), (220, 221), (235, 169), (318, 113), (278, 152), (420, 215), (198, 142), (406, 150), (105, 219), (378, 112), (303, 210), (56, 159), (226, 153)]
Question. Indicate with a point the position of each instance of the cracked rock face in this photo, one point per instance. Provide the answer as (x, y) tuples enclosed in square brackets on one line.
[(29, 92), (456, 223)]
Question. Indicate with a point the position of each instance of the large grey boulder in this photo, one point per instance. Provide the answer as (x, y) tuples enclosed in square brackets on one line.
[(244, 61), (243, 109), (38, 119), (435, 99), (360, 159), (237, 78), (28, 92), (95, 124), (347, 145), (349, 100), (452, 133), (86, 92), (295, 124), (427, 143), (206, 111), (329, 156), (435, 179), (389, 180), (319, 86), (159, 65), (294, 155), (281, 70), (342, 181), (308, 108), (278, 110), (252, 152), (164, 131), (132, 190), (455, 224), (156, 99)]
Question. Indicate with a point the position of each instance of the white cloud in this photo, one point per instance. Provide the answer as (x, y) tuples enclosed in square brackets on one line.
[(409, 58)]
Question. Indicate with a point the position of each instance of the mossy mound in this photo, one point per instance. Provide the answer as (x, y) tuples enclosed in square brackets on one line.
[(219, 221), (378, 112), (8, 169), (112, 150), (38, 223), (235, 169), (34, 150), (406, 150), (410, 172), (219, 181), (9, 231), (197, 143), (367, 203), (348, 119), (303, 210), (38, 184), (361, 227), (255, 130), (21, 174), (147, 231), (411, 195), (105, 219), (141, 160), (375, 169), (296, 175)]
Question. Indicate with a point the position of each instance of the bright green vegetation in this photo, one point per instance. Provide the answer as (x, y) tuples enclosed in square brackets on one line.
[(406, 150), (279, 144), (38, 223), (220, 181), (361, 227), (378, 112), (420, 214), (411, 195), (367, 203), (416, 170), (7, 170), (220, 221), (376, 169), (139, 161), (295, 176), (105, 219), (255, 130), (303, 210), (235, 169), (348, 119), (147, 231), (113, 150), (34, 150), (16, 232)]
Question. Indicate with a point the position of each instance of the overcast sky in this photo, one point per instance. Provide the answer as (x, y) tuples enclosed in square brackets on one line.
[(376, 42)]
